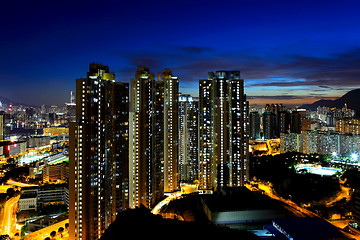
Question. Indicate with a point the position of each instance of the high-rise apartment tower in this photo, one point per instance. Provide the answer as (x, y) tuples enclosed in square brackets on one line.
[(142, 160), (171, 131), (188, 138), (98, 178), (153, 137), (223, 131)]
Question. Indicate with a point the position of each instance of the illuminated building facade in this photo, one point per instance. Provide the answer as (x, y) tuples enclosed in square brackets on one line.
[(11, 148), (98, 178), (188, 138), (158, 142), (223, 131), (71, 108), (153, 136), (347, 125), (2, 126), (171, 131), (141, 155), (55, 172), (321, 142), (291, 142), (205, 163)]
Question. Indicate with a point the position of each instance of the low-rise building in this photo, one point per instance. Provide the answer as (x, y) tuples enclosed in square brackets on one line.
[(53, 194), (38, 141), (348, 126), (33, 198), (304, 228), (55, 172), (241, 206), (28, 201), (45, 221), (11, 148)]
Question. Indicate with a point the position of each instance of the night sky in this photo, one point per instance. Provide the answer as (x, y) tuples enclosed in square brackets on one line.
[(288, 52)]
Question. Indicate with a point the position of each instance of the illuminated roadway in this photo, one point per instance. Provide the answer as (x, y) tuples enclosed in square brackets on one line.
[(185, 189), (293, 207), (299, 211), (8, 218), (8, 213), (166, 201), (20, 184), (344, 193)]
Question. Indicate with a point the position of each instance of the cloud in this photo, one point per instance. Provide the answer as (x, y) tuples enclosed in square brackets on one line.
[(193, 49), (145, 60), (305, 76), (278, 97)]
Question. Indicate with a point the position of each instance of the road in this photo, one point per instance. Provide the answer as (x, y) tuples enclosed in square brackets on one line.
[(293, 207), (302, 212), (20, 184), (166, 201), (8, 218), (8, 213), (344, 193), (45, 232), (4, 188)]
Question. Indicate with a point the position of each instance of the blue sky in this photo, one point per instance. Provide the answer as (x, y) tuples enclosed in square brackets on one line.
[(289, 52)]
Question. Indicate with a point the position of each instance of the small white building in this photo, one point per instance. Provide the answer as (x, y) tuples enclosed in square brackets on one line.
[(28, 201)]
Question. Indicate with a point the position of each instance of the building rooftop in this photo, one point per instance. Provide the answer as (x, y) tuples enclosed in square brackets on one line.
[(240, 199), (8, 142), (28, 195), (45, 187), (53, 186), (306, 228)]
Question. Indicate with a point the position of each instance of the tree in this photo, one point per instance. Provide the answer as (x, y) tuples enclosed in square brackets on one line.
[(10, 192), (53, 234), (60, 231), (24, 230), (67, 226), (10, 161)]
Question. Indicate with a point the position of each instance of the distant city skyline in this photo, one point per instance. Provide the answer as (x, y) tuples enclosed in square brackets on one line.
[(288, 52)]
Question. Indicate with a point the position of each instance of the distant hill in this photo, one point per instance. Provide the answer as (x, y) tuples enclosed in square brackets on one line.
[(6, 101), (352, 99)]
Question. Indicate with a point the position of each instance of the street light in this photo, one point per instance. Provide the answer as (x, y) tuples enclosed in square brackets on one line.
[(334, 154)]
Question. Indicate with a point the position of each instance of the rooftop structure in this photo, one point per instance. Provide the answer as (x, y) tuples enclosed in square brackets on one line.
[(304, 229), (240, 205)]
